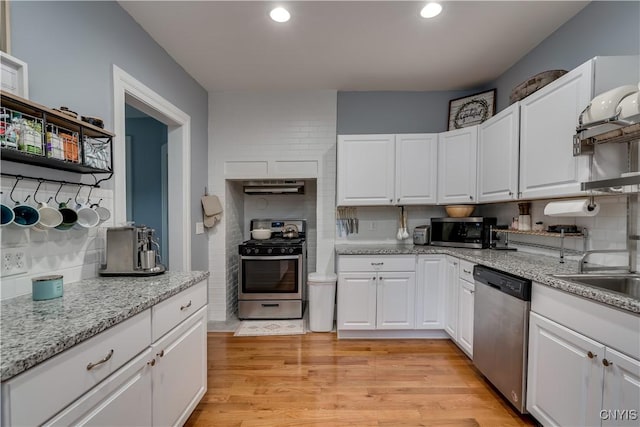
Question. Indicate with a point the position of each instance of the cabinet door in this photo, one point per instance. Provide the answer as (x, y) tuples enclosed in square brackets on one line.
[(396, 295), (180, 372), (548, 120), (366, 170), (357, 300), (457, 165), (621, 399), (416, 169), (451, 298), (498, 142), (465, 316), (565, 375), (430, 288), (123, 399)]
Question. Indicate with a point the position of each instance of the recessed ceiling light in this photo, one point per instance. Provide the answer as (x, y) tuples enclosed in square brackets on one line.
[(280, 14), (431, 10)]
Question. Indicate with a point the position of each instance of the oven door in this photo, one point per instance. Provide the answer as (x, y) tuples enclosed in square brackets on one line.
[(270, 277)]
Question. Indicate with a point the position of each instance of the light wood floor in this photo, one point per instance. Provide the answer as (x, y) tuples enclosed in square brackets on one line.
[(314, 379)]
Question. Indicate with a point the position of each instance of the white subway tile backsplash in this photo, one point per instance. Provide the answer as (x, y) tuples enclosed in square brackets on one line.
[(76, 254)]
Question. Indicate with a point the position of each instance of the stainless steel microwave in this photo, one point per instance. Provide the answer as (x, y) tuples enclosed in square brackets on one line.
[(470, 232)]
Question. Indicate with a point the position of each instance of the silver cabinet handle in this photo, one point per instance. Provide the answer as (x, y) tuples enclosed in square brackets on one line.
[(90, 366), (377, 263), (466, 271), (184, 307)]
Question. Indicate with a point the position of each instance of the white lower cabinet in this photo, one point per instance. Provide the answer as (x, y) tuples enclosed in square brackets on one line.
[(574, 380), (465, 316), (179, 376), (430, 289), (123, 399), (120, 377), (459, 299), (451, 297), (376, 292)]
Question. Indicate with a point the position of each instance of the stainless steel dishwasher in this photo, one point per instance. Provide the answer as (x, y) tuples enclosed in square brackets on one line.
[(501, 331)]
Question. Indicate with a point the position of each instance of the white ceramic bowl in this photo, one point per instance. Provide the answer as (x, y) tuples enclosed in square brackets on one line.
[(604, 105), (630, 105), (261, 234)]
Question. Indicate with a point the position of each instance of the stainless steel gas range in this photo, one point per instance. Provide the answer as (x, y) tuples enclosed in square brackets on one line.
[(272, 271)]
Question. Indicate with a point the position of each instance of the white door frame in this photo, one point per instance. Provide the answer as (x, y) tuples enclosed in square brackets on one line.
[(128, 89)]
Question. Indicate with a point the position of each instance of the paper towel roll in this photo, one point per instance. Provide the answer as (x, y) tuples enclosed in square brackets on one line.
[(577, 207)]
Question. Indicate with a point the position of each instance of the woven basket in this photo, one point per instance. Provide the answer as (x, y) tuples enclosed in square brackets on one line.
[(536, 82)]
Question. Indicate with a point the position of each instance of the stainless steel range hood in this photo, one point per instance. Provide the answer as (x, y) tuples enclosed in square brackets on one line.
[(281, 186)]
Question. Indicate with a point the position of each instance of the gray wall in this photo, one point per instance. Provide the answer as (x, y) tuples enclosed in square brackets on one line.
[(601, 28), (70, 48), (394, 112)]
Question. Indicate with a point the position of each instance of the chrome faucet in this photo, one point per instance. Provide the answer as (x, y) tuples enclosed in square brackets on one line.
[(582, 268)]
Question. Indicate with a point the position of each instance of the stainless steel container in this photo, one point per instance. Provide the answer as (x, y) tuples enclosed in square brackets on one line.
[(422, 235)]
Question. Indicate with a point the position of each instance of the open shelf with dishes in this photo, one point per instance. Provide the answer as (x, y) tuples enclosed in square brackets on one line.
[(37, 135)]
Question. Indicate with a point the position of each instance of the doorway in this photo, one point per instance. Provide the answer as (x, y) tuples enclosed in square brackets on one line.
[(129, 91), (147, 198)]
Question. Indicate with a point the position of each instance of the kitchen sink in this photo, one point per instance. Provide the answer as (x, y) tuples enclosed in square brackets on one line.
[(624, 283)]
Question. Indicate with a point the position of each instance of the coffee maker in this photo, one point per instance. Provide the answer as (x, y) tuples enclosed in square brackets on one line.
[(130, 252)]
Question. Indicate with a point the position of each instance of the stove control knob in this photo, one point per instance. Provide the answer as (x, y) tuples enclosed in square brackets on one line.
[(256, 251), (290, 250), (269, 250), (282, 250), (247, 251)]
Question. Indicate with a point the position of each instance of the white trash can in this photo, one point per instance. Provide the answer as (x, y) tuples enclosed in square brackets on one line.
[(322, 296)]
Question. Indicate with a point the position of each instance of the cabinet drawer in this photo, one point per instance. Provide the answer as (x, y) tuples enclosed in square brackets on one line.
[(466, 270), (376, 263), (39, 393), (169, 313)]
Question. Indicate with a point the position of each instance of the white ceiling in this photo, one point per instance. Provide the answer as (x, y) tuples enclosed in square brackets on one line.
[(345, 45)]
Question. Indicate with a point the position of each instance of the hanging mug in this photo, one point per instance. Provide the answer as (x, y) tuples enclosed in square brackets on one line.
[(7, 215), (69, 217), (50, 217), (87, 217), (25, 216)]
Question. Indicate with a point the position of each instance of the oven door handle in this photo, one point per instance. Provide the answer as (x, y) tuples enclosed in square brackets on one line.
[(271, 258)]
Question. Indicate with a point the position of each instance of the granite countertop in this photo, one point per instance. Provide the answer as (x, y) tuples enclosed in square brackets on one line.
[(34, 331), (538, 268)]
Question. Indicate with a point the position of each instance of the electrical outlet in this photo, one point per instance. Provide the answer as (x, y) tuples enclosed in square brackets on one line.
[(14, 261)]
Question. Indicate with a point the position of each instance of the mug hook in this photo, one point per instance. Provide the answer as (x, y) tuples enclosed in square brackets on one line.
[(40, 181), (18, 179), (89, 195), (57, 192), (77, 194)]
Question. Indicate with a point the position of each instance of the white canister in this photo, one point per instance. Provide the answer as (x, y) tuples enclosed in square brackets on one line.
[(524, 223)]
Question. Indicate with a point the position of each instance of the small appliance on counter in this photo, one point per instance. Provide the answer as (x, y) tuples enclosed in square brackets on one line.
[(472, 232), (130, 252), (422, 235)]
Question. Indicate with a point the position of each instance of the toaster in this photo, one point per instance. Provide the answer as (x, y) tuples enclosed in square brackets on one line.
[(422, 235)]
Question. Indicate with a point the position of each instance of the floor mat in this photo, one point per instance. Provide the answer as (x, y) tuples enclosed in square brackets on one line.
[(270, 327)]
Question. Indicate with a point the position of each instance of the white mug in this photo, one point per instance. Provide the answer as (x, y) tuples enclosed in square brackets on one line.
[(50, 217), (87, 217)]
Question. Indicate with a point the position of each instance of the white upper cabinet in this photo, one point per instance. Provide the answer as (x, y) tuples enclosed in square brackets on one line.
[(416, 168), (548, 120), (387, 169), (498, 141), (366, 170), (457, 154)]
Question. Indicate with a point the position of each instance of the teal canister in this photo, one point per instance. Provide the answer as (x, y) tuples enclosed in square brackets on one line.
[(46, 287)]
